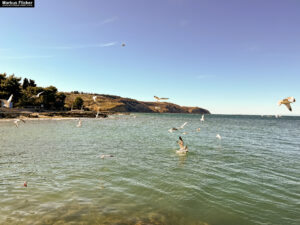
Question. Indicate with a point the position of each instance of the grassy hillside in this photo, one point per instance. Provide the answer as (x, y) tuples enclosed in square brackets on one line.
[(110, 103)]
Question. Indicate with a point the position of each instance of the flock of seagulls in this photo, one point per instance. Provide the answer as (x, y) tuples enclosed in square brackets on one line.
[(183, 148)]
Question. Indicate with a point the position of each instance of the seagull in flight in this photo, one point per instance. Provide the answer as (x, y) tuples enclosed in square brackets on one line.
[(7, 102), (16, 122), (218, 136), (172, 129), (38, 95), (95, 98), (202, 118), (182, 126), (158, 99), (287, 101)]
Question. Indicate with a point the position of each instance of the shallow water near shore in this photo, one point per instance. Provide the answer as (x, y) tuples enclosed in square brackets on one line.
[(250, 176)]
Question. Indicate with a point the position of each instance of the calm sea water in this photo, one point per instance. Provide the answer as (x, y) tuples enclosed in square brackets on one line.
[(251, 176)]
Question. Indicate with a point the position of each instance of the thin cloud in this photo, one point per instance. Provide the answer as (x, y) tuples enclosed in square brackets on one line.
[(109, 20), (203, 76), (27, 57), (83, 46)]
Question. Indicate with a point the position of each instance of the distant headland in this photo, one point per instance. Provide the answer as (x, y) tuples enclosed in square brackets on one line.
[(30, 100)]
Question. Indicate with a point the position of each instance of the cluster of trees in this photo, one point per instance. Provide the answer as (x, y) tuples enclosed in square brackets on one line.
[(24, 94)]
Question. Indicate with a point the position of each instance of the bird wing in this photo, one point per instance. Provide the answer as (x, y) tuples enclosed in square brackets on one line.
[(157, 98), (182, 126), (288, 105), (291, 99), (38, 95), (180, 143), (164, 98), (10, 98)]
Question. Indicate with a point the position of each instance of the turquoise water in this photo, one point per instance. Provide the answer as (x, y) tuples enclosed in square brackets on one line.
[(251, 176)]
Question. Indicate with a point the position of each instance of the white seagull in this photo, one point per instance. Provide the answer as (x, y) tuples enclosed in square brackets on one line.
[(38, 95), (7, 102), (287, 101), (218, 136), (182, 126), (79, 123), (172, 129), (95, 98), (202, 118), (158, 98)]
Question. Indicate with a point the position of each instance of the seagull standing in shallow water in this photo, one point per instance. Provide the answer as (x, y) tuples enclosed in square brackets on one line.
[(287, 101)]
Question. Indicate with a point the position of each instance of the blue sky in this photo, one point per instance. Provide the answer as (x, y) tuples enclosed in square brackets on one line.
[(236, 57)]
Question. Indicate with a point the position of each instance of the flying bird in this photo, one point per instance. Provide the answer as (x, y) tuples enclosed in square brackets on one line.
[(158, 99), (95, 98), (287, 101), (172, 129), (182, 126), (218, 136), (7, 102), (16, 122), (202, 118), (38, 95), (123, 44)]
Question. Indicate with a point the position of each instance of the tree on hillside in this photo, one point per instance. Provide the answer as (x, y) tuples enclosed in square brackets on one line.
[(60, 100), (32, 83), (78, 103), (25, 83), (10, 85)]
